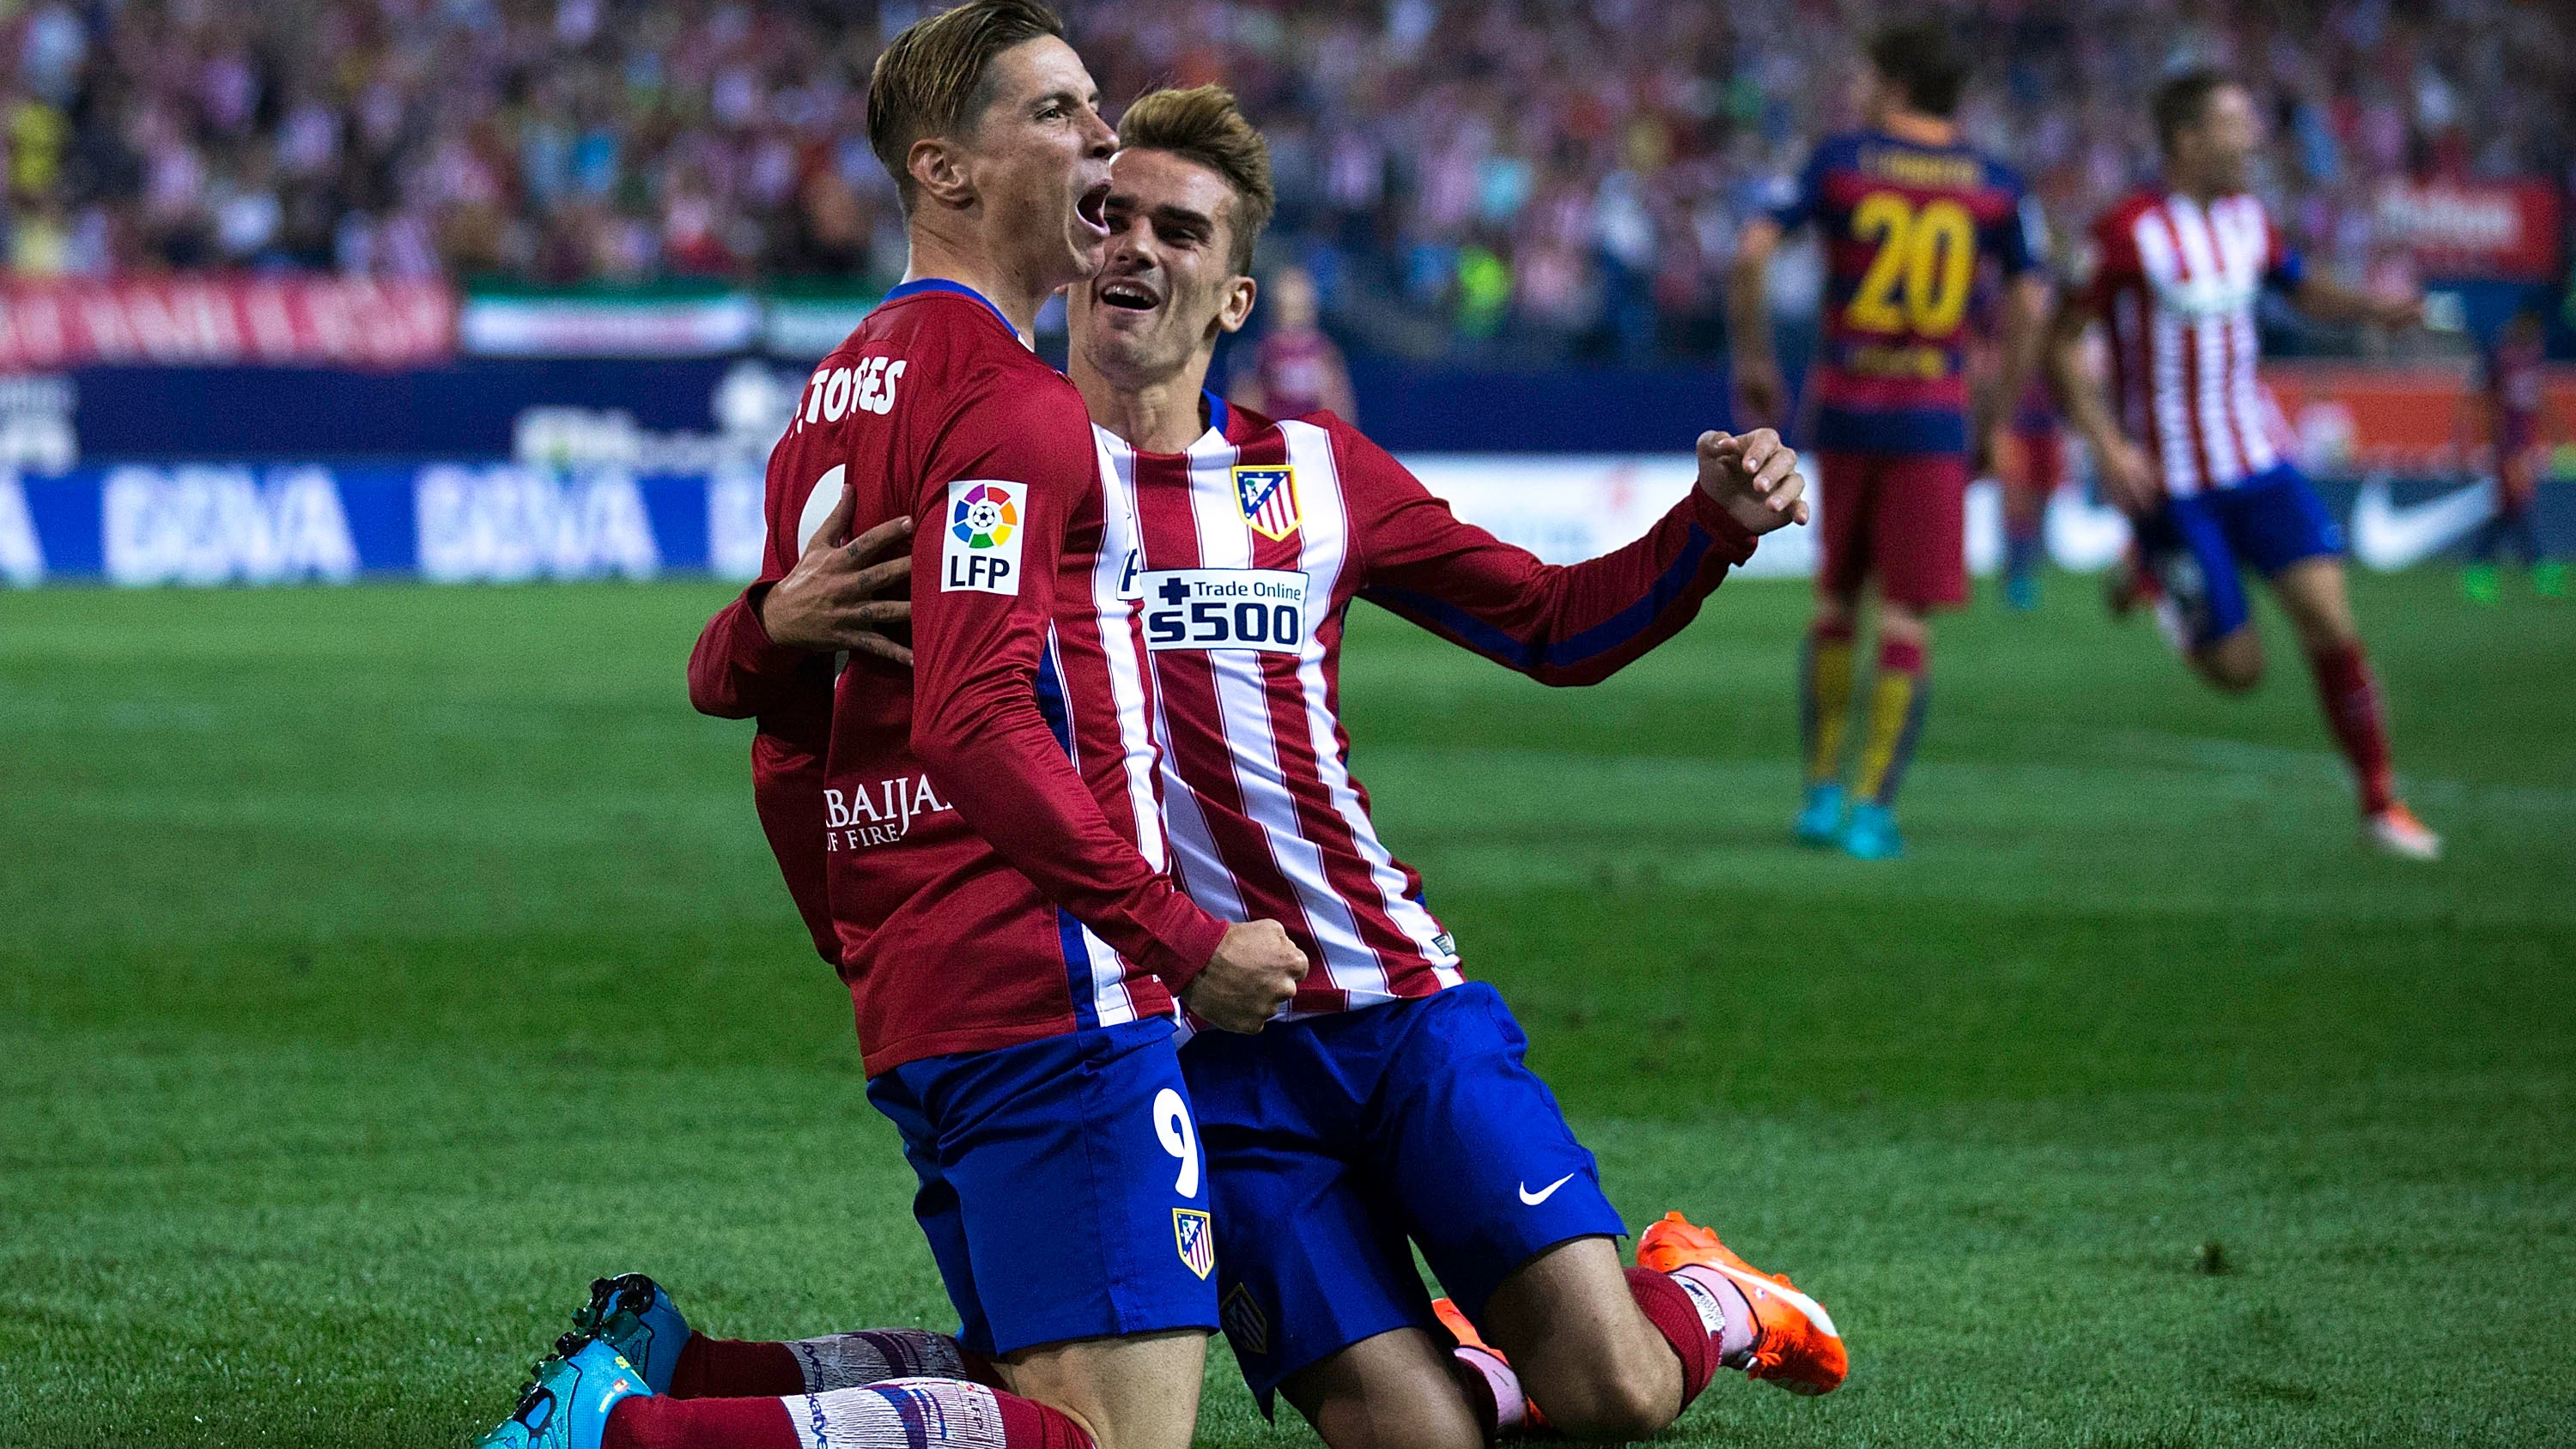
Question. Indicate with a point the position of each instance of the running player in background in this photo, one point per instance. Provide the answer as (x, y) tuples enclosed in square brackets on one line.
[(2192, 451), (1295, 368), (979, 833), (2030, 460), (2515, 404), (1907, 211)]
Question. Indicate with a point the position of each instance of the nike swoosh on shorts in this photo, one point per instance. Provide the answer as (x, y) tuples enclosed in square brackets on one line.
[(1533, 1199)]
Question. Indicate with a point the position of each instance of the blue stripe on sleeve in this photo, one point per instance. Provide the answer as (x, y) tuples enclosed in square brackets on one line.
[(1575, 650)]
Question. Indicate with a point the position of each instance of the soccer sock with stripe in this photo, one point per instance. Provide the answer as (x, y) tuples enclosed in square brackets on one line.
[(2351, 700), (1824, 698), (1898, 698), (720, 1368), (1493, 1391), (1705, 1318), (897, 1414)]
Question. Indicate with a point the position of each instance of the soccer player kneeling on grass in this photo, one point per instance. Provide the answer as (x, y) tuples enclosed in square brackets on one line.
[(1011, 940), (2192, 454), (1391, 1105)]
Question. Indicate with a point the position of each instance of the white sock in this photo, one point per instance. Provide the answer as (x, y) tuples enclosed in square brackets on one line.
[(899, 1414), (1511, 1406), (1723, 1310), (874, 1355)]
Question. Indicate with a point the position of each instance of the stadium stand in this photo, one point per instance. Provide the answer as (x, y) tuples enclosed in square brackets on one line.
[(1465, 180)]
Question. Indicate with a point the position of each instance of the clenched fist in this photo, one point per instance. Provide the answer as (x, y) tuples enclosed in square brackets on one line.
[(1255, 970), (1754, 477)]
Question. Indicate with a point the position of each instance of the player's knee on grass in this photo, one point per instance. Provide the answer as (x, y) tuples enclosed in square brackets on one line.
[(1584, 1351), (1394, 1391), (1139, 1392)]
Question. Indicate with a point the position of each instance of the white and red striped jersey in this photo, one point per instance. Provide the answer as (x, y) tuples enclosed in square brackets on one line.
[(2176, 282), (1255, 542)]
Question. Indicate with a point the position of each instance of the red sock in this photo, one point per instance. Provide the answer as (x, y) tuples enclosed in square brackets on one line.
[(891, 1415), (663, 1422), (2351, 700), (730, 1368), (1667, 1305)]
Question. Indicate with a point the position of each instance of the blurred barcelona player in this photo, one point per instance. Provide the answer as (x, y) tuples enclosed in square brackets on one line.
[(1907, 211)]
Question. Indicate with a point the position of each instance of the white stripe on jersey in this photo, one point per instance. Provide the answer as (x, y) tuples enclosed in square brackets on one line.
[(1243, 700), (2195, 346), (1327, 539)]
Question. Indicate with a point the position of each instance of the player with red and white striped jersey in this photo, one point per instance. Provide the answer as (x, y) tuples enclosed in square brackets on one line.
[(2194, 449), (1391, 1105)]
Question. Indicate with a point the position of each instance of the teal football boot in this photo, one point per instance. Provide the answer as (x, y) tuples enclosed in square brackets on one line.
[(631, 1314), (1820, 823), (1872, 833), (567, 1405)]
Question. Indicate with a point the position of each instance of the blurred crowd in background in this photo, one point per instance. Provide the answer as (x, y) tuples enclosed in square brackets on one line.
[(1562, 177)]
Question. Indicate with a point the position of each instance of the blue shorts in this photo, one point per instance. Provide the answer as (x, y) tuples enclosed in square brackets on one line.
[(2195, 544), (1062, 1186), (1336, 1139)]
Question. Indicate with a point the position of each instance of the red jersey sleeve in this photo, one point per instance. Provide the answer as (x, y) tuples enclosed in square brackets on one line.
[(978, 649), (1557, 623), (2115, 261), (736, 672)]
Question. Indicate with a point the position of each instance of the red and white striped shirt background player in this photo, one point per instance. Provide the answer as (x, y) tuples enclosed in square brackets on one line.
[(2176, 282), (1254, 544)]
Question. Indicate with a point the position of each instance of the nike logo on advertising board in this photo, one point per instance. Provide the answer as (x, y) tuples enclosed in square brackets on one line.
[(1533, 1199), (2387, 537)]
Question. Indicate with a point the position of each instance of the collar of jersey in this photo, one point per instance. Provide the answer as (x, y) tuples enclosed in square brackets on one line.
[(1218, 416), (942, 284)]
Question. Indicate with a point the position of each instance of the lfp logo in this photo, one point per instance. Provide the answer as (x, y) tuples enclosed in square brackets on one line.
[(982, 551)]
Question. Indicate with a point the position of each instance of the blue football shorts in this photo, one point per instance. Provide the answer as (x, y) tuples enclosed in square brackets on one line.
[(2196, 544), (1063, 1188), (1338, 1142)]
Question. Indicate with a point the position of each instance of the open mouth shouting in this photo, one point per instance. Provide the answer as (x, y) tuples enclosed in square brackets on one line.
[(1092, 210)]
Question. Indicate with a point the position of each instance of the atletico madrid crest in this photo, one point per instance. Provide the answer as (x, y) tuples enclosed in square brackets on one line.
[(1269, 499), (1197, 1240)]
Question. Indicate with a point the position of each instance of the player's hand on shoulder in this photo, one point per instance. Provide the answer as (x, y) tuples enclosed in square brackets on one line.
[(1255, 970), (1754, 477), (834, 598)]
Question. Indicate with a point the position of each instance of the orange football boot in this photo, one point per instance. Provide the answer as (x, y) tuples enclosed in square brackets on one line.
[(1795, 1343), (1467, 1336)]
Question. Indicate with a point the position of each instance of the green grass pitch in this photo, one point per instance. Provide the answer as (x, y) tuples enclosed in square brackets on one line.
[(377, 965)]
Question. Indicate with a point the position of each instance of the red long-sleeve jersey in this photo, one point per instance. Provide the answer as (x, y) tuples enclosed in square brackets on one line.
[(973, 842), (1255, 542)]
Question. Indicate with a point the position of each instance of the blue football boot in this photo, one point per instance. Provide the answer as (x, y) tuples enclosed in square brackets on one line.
[(1872, 833), (1820, 822), (631, 1314), (567, 1405), (2021, 592)]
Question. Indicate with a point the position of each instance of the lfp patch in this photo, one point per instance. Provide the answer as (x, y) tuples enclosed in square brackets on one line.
[(980, 553), (1269, 499), (1192, 1231)]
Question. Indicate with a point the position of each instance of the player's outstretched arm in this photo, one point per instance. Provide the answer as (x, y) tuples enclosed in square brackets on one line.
[(1759, 387), (1561, 624), (2126, 479), (2328, 300)]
